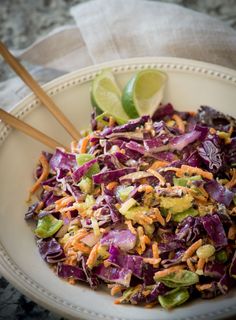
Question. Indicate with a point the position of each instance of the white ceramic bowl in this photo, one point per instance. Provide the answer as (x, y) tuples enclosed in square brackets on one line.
[(190, 84)]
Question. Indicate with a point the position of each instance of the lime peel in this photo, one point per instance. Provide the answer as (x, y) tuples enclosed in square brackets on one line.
[(106, 96), (144, 92)]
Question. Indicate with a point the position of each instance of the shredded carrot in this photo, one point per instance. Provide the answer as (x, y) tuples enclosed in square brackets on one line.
[(117, 301), (39, 206), (67, 215), (155, 250), (232, 182), (106, 263), (81, 247), (212, 131), (71, 281), (71, 208), (74, 239), (156, 216), (170, 270), (130, 226), (159, 164), (144, 220), (158, 176), (168, 217), (192, 249), (79, 235), (195, 170), (45, 172), (179, 122), (48, 188), (201, 264), (146, 292), (63, 202), (143, 240), (151, 305), (152, 261), (116, 289), (112, 185), (190, 265), (71, 260), (232, 233), (145, 188), (201, 287), (189, 170), (93, 256), (84, 144), (111, 122)]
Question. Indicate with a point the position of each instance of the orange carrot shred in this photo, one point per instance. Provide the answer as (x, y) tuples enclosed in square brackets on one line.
[(130, 226), (93, 256), (201, 287), (112, 185), (153, 261), (155, 250), (232, 233), (83, 147), (201, 263), (179, 122), (159, 164), (116, 289), (111, 122), (169, 270), (44, 174), (158, 176), (192, 249), (63, 202), (156, 216), (190, 265)]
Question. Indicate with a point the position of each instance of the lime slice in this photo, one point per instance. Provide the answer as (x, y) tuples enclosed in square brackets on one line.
[(106, 96), (143, 92)]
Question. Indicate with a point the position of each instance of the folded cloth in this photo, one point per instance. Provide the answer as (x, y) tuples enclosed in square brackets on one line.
[(108, 30), (133, 28)]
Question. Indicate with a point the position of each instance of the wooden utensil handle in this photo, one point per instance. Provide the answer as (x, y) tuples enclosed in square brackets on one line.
[(39, 92), (27, 129)]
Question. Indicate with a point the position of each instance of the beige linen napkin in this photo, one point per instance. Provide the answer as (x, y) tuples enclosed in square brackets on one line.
[(112, 29), (130, 28)]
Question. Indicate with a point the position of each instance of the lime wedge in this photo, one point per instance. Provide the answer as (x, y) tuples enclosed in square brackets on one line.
[(106, 96), (144, 92)]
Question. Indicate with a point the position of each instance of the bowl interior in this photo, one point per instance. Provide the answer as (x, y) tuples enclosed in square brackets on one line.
[(189, 86)]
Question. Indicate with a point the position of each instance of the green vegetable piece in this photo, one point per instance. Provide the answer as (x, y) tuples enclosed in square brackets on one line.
[(83, 158), (100, 117), (164, 212), (221, 256), (136, 213), (182, 278), (174, 298), (89, 201), (48, 226), (86, 185), (176, 205), (182, 215), (149, 229), (123, 193), (183, 182)]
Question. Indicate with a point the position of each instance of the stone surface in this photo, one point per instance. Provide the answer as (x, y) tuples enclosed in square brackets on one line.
[(21, 23)]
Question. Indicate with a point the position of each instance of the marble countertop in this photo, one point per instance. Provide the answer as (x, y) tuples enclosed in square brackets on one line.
[(18, 29)]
